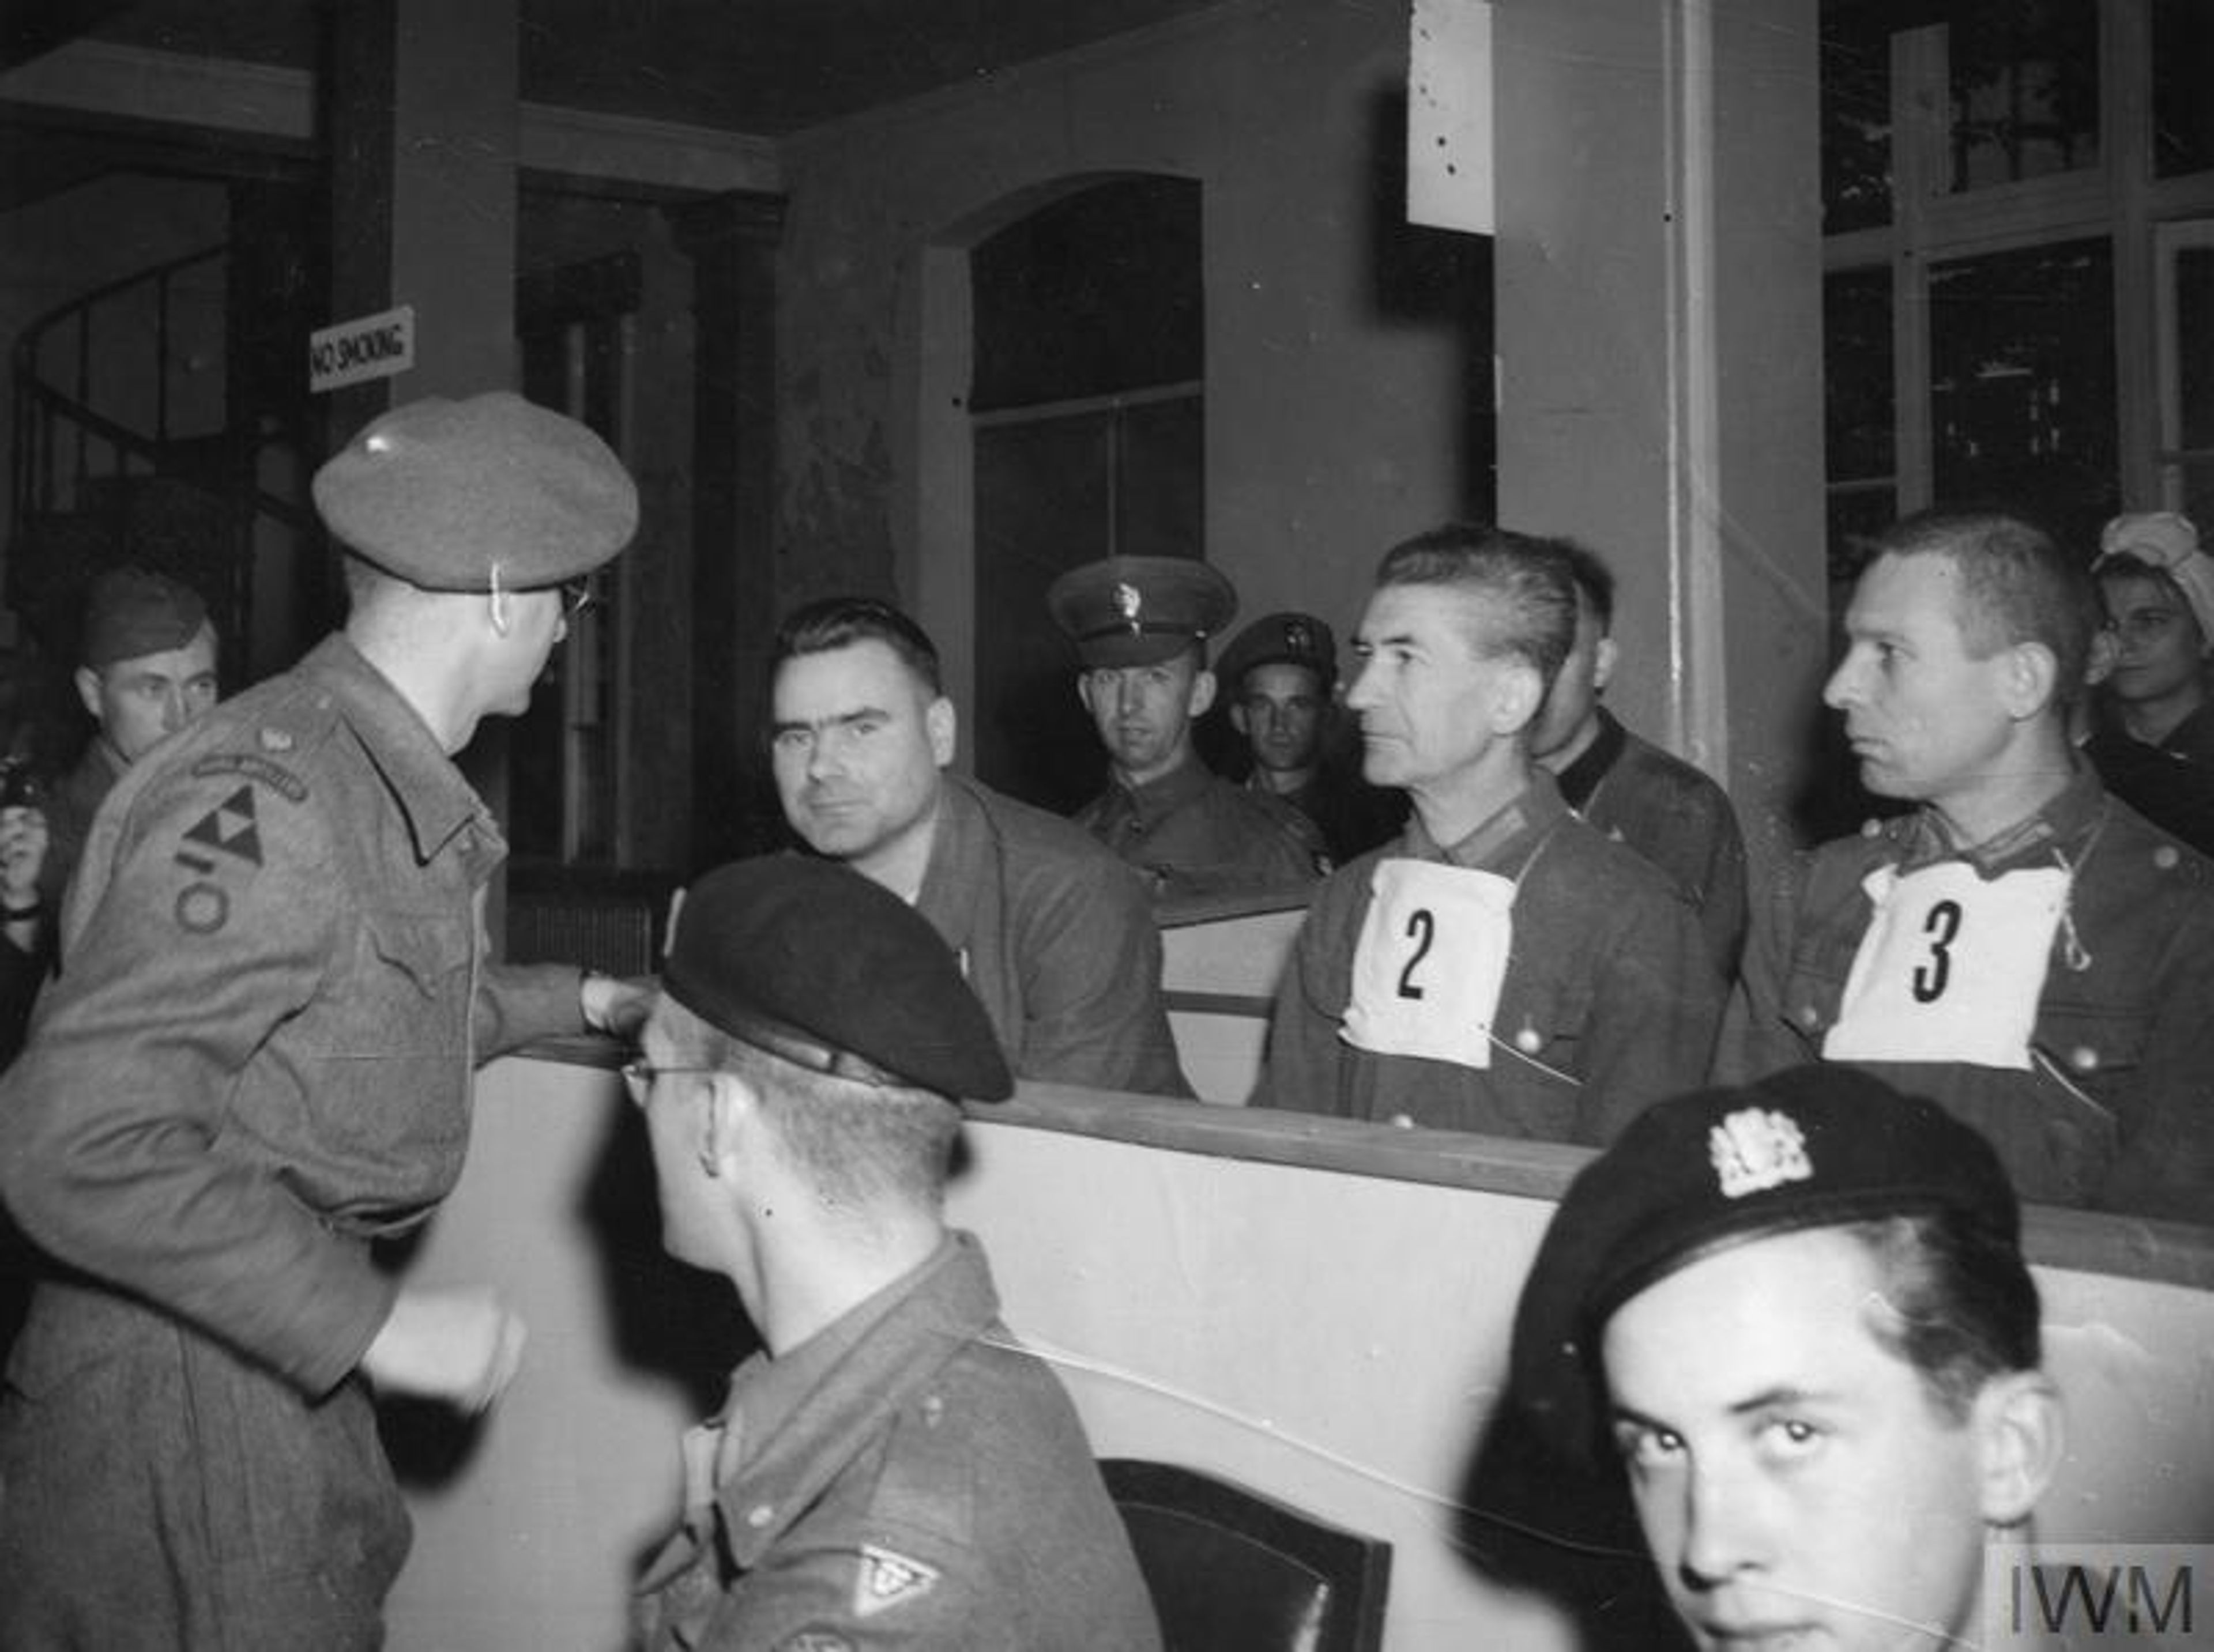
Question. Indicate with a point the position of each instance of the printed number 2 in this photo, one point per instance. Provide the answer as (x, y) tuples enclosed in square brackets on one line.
[(1942, 926), (1422, 930)]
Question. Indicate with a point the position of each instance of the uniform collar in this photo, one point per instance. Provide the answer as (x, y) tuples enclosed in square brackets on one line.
[(801, 1419), (1581, 777), (432, 797), (958, 860), (2062, 824), (1171, 791), (1502, 843)]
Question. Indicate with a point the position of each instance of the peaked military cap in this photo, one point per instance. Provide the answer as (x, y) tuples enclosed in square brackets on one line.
[(1286, 639), (1138, 611), (488, 492), (1814, 1146), (131, 612), (813, 962)]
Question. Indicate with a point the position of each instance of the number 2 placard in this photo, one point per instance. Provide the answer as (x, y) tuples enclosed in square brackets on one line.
[(1952, 966), (1430, 962)]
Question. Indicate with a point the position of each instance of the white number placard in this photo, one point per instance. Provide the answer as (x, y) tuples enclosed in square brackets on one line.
[(1430, 962)]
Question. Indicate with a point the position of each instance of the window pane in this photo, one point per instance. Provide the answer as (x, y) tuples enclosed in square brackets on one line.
[(1857, 515), (1859, 415), (2182, 113), (2022, 382), (2025, 87), (2194, 343), (1094, 294), (1856, 117)]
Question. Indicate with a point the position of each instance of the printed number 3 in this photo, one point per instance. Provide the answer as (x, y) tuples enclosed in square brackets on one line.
[(1942, 926), (1422, 930)]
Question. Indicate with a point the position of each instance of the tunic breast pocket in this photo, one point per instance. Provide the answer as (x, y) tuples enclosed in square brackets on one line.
[(1813, 991), (2094, 1054), (409, 991)]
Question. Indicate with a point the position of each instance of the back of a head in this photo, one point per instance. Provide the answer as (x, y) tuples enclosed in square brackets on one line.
[(837, 622), (2017, 585), (1528, 581)]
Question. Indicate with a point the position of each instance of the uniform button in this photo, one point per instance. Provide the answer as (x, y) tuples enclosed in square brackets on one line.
[(1809, 1017), (1872, 828), (933, 1410), (2084, 1058), (1529, 1040), (1401, 1121), (276, 740), (2165, 857), (760, 1515)]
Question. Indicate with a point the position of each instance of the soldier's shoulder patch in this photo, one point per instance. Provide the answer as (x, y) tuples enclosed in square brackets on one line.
[(231, 830), (202, 908), (887, 1579), (255, 766)]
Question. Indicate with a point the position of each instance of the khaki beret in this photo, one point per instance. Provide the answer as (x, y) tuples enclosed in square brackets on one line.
[(1137, 611), (489, 492)]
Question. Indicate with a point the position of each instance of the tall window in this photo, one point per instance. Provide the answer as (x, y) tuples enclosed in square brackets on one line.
[(2019, 303), (1087, 413)]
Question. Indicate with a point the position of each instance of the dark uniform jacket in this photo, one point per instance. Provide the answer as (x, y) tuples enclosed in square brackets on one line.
[(2171, 783), (1674, 815), (2117, 1108), (1193, 832), (1057, 936), (1609, 1002), (910, 1477), (256, 1061)]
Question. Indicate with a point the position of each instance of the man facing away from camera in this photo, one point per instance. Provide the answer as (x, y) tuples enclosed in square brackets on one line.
[(257, 1063), (894, 1469)]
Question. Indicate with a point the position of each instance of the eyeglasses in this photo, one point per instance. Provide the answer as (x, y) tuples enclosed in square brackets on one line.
[(639, 1074), (576, 596)]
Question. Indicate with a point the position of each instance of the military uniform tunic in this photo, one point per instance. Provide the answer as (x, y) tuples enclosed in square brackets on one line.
[(256, 1061), (1057, 939), (1674, 815), (2116, 1106), (1192, 832), (910, 1477), (1608, 1002)]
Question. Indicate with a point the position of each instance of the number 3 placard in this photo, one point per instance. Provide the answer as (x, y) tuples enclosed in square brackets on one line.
[(1431, 961), (1952, 966)]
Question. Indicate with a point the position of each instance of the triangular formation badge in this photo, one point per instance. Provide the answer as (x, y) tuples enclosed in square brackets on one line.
[(230, 828), (887, 1580)]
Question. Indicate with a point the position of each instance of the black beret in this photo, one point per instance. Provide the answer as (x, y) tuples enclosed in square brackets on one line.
[(813, 962), (1280, 639), (1811, 1147), (1137, 611), (132, 611), (465, 496)]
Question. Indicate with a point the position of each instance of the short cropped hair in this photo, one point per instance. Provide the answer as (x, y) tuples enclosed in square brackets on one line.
[(1594, 578), (2018, 586), (1957, 1303), (837, 622), (1529, 579), (858, 1144)]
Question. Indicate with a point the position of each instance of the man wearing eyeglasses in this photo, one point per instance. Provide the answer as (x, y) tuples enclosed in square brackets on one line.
[(894, 1469), (257, 1063)]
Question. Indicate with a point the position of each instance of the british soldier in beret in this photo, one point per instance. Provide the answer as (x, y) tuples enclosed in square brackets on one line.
[(894, 1469), (258, 1062), (1141, 626), (1798, 1315)]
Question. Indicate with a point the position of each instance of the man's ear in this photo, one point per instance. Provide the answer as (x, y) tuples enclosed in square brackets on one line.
[(2020, 1432), (87, 690), (1202, 693), (939, 721), (1603, 659), (1238, 717), (1520, 697), (2031, 680), (725, 1122)]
